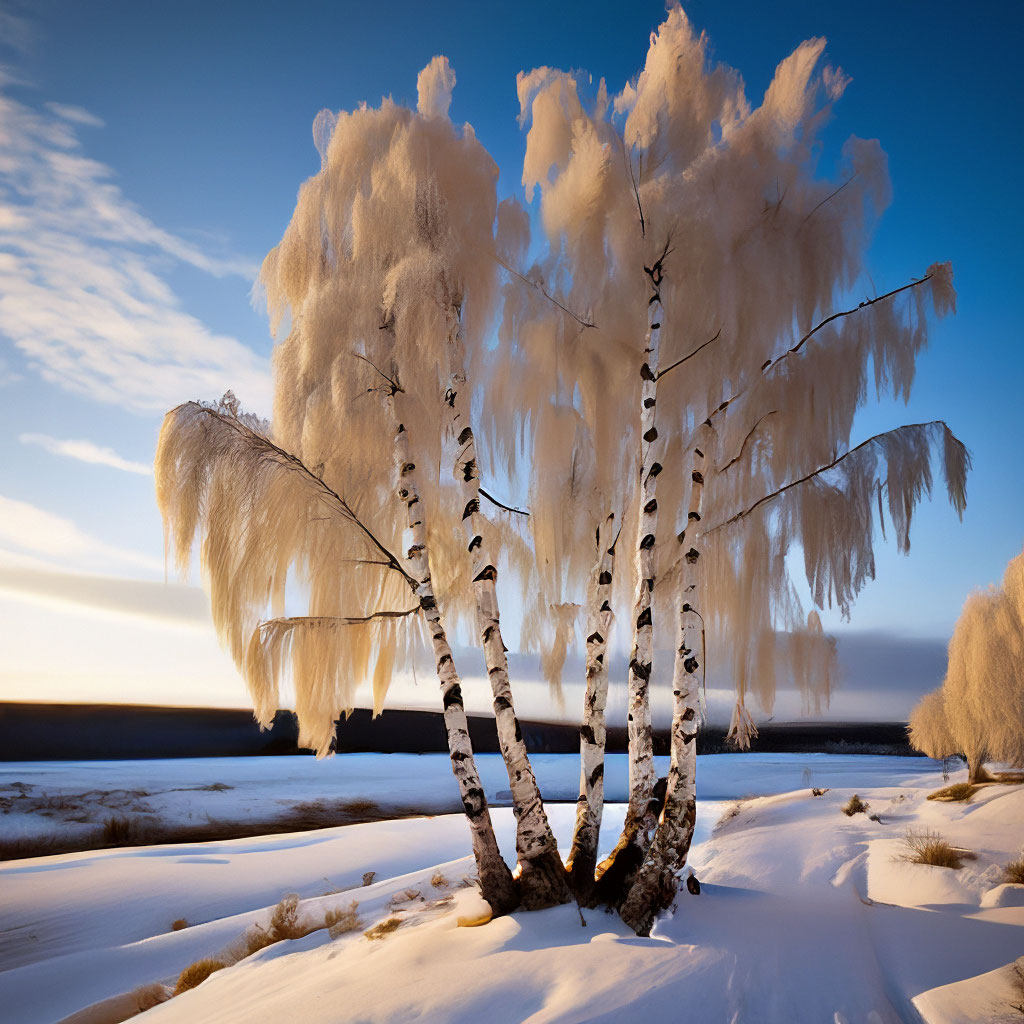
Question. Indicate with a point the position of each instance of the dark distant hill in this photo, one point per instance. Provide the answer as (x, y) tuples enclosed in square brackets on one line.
[(73, 732)]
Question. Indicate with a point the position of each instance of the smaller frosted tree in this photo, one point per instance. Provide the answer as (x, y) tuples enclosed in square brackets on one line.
[(979, 709), (928, 728)]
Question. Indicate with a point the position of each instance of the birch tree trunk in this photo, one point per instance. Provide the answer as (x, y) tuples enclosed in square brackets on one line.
[(616, 872), (496, 882), (543, 879), (655, 885), (583, 858)]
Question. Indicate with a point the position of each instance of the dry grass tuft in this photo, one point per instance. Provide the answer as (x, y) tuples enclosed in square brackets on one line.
[(1015, 872), (925, 847), (378, 931), (815, 791), (439, 881), (177, 926), (285, 924), (854, 806), (960, 792), (120, 830), (342, 920), (197, 973)]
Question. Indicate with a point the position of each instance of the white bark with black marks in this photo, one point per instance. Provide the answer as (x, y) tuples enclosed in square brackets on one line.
[(543, 879), (496, 882), (593, 732), (617, 871), (657, 882)]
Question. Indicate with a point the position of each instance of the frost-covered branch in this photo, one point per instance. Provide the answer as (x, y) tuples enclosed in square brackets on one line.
[(909, 445), (939, 274)]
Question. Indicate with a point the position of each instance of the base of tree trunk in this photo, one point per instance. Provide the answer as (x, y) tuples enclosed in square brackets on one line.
[(544, 882), (657, 882), (581, 877), (978, 773), (498, 887), (617, 871)]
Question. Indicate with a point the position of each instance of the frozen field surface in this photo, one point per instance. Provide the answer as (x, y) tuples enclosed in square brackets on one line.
[(69, 798), (805, 914)]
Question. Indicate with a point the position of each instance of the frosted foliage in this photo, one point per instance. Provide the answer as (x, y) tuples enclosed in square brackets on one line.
[(389, 244), (982, 696), (259, 517), (434, 88), (928, 729), (761, 251)]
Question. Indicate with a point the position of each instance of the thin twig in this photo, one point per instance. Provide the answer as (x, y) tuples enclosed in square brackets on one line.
[(536, 284), (636, 190), (394, 385), (501, 504), (739, 455), (829, 197), (770, 364), (679, 362), (335, 620)]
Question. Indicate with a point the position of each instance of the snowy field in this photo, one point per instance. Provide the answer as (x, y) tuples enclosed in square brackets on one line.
[(805, 914), (74, 798)]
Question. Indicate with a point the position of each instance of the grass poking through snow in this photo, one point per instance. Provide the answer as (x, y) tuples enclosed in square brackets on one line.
[(926, 847), (379, 931), (1015, 872), (196, 974), (854, 806), (960, 792), (342, 920)]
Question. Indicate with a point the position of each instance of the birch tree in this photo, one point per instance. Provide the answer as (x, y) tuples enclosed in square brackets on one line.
[(698, 236), (674, 382), (376, 278)]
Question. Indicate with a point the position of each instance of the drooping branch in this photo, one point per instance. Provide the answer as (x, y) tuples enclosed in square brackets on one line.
[(769, 365), (289, 461), (955, 491)]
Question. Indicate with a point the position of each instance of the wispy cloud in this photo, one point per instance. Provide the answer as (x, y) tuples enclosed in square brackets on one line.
[(37, 531), (76, 115), (171, 603), (86, 451), (17, 29), (81, 288)]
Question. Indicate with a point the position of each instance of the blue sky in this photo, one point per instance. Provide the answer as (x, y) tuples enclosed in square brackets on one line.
[(150, 155)]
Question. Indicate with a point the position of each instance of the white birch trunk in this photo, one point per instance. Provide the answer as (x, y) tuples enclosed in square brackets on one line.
[(616, 873), (655, 885), (589, 806), (543, 879), (496, 882)]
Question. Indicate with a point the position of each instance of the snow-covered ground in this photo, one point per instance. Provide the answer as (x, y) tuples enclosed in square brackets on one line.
[(74, 798), (804, 915)]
